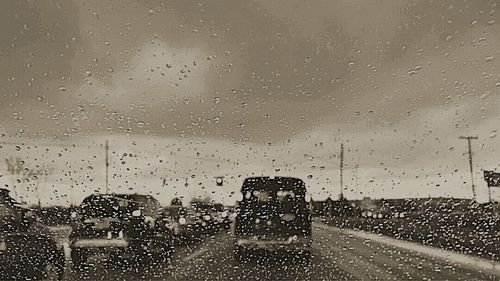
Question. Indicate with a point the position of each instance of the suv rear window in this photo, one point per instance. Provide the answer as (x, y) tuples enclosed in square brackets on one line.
[(101, 207)]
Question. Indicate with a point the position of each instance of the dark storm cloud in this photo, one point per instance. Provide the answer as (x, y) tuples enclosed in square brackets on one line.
[(445, 19), (66, 44), (243, 70), (396, 81)]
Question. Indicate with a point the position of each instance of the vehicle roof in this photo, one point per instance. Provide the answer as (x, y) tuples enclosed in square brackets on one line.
[(276, 183), (273, 178), (131, 197), (6, 198), (135, 197)]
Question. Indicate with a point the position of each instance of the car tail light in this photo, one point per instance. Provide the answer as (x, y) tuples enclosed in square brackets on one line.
[(137, 213), (288, 217), (150, 221)]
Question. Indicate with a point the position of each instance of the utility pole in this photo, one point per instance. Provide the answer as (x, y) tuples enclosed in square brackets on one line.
[(341, 171), (469, 138), (489, 194), (356, 175), (107, 167)]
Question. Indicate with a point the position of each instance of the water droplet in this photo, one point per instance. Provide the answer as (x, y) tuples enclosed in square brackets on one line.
[(489, 58)]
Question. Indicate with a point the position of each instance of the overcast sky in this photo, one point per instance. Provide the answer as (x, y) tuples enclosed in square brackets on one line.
[(198, 89)]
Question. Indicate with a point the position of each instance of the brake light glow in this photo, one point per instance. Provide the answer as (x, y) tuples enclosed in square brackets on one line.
[(136, 213), (182, 221), (288, 217)]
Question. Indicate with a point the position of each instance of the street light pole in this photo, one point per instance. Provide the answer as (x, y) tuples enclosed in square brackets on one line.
[(469, 138)]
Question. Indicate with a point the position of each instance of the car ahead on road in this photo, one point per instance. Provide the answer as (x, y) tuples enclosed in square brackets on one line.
[(28, 249), (221, 216), (183, 223), (123, 226), (273, 215), (206, 216)]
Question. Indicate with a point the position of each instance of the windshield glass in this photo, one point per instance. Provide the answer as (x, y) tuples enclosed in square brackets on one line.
[(250, 139)]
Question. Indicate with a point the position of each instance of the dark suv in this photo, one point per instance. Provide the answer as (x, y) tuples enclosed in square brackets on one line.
[(274, 216), (121, 225), (28, 250)]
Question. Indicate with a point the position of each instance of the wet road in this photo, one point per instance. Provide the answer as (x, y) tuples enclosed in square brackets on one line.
[(337, 255)]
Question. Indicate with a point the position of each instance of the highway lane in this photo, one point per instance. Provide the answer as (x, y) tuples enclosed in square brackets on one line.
[(337, 255)]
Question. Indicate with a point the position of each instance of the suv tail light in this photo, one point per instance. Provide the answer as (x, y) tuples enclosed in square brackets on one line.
[(182, 220)]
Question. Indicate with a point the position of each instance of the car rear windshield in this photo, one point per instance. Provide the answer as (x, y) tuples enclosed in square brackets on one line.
[(281, 194), (101, 207)]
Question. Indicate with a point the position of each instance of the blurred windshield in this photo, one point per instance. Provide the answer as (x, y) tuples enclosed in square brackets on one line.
[(250, 139)]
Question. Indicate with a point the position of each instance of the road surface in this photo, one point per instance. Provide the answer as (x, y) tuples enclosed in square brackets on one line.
[(337, 255)]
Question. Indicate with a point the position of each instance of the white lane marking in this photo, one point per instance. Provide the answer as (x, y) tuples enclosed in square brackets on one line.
[(67, 251), (60, 227), (353, 263), (195, 254), (470, 262)]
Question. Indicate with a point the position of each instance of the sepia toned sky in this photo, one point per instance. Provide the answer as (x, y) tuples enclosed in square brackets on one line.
[(237, 88)]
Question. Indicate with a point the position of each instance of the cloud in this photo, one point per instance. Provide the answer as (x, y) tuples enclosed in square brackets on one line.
[(398, 82), (156, 73)]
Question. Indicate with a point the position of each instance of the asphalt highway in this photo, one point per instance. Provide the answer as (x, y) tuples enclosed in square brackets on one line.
[(338, 254)]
